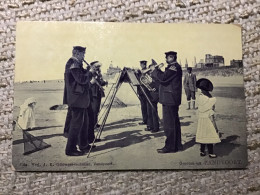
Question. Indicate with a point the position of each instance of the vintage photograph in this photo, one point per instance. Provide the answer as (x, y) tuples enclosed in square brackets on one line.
[(128, 96)]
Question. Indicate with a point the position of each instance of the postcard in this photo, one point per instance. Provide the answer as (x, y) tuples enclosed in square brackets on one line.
[(128, 96)]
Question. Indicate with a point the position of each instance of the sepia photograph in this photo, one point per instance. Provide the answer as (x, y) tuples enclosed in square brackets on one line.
[(94, 96)]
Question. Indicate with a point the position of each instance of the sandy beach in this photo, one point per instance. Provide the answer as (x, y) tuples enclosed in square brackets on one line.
[(125, 145)]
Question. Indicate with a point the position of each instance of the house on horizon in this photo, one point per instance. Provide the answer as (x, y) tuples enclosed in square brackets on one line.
[(236, 63), (214, 61), (200, 64), (111, 71)]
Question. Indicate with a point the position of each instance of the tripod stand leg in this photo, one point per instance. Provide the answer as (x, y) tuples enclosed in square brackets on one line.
[(108, 110), (106, 97), (104, 120), (109, 106), (106, 115), (104, 104)]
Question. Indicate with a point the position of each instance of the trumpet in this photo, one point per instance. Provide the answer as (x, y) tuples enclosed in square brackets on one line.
[(148, 69), (94, 77)]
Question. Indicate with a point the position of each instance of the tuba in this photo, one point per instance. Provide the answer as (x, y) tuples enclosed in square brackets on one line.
[(146, 80)]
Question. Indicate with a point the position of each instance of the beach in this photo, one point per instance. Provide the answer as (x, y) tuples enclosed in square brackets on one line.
[(125, 145)]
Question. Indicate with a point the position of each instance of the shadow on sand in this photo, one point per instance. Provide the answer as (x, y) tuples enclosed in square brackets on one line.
[(189, 144), (125, 139), (20, 141), (186, 123), (225, 147), (40, 128), (120, 122), (183, 117), (128, 138)]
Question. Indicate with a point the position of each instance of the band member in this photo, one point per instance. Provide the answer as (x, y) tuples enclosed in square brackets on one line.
[(190, 87), (68, 117), (96, 94), (170, 97), (152, 110), (76, 95), (142, 97)]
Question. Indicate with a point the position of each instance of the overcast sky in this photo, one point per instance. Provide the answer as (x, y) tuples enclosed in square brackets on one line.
[(43, 48)]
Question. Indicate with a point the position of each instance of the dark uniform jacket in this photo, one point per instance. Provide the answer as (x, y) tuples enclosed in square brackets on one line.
[(95, 89), (190, 82), (170, 84), (76, 90)]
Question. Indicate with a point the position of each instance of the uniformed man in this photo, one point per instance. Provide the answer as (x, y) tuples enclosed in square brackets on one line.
[(76, 95), (142, 97), (68, 117), (170, 90), (96, 95), (152, 110), (189, 83)]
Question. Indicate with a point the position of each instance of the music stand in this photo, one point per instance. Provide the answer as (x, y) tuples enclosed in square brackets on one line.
[(127, 75)]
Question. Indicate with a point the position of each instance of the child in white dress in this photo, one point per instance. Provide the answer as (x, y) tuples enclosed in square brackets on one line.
[(207, 134), (26, 118)]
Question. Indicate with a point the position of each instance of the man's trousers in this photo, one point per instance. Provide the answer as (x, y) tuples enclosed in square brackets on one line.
[(172, 128)]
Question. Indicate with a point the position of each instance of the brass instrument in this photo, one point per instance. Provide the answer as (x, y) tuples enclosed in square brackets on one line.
[(94, 77), (148, 69), (146, 80)]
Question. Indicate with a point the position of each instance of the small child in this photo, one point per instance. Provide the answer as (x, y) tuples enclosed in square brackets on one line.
[(26, 118), (207, 134)]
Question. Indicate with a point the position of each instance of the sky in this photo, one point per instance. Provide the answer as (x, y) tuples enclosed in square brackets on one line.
[(43, 48)]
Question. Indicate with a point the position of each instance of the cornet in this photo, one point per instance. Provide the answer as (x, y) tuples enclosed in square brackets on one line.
[(148, 69)]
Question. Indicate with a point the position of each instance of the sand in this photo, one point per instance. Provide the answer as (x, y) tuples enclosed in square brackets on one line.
[(125, 145)]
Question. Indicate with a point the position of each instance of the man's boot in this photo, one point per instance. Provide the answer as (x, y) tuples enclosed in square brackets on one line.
[(188, 105)]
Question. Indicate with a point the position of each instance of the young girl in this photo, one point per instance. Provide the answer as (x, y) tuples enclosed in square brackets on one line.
[(26, 118), (206, 132)]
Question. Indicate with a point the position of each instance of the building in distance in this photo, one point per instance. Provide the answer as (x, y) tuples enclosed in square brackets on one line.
[(214, 61), (236, 63), (111, 71), (200, 64)]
